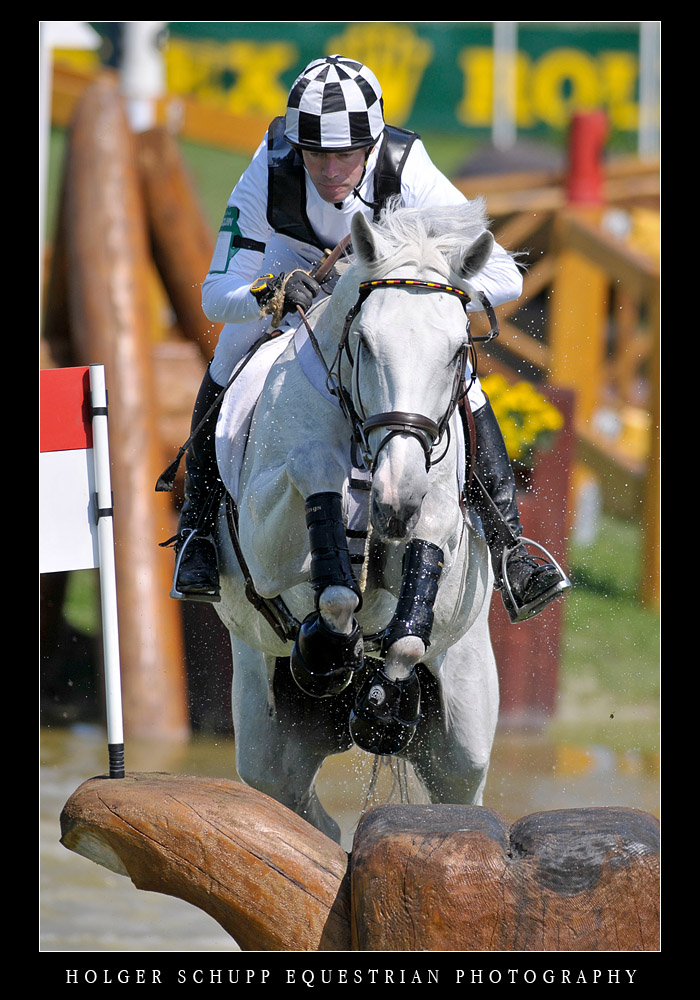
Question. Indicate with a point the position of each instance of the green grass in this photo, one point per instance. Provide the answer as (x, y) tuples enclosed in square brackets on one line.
[(609, 637), (609, 672)]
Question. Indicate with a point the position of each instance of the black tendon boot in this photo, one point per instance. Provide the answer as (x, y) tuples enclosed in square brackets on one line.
[(323, 662), (527, 583), (196, 575), (387, 712)]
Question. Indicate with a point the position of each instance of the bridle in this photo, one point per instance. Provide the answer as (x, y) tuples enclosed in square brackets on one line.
[(427, 431)]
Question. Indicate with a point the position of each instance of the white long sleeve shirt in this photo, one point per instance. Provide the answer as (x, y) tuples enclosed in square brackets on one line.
[(226, 295)]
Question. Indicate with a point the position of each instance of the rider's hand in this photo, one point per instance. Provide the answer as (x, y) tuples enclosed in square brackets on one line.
[(299, 289)]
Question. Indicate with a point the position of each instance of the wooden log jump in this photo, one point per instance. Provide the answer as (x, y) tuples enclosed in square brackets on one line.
[(271, 880), (419, 878)]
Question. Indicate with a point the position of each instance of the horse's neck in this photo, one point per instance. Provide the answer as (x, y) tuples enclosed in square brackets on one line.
[(328, 327)]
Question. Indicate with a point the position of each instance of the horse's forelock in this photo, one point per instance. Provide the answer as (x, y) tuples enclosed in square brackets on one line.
[(422, 237)]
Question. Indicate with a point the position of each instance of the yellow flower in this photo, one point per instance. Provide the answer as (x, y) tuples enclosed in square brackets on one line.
[(527, 419)]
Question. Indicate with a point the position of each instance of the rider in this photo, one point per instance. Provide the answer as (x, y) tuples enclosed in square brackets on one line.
[(330, 156)]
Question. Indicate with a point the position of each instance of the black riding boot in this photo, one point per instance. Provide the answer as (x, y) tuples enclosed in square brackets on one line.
[(527, 583), (196, 569)]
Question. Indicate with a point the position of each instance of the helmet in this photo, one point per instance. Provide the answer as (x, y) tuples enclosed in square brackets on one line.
[(334, 105)]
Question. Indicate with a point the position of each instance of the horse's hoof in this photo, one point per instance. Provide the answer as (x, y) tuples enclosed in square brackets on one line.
[(323, 662), (386, 714)]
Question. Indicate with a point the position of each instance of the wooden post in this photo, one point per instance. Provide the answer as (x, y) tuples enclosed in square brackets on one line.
[(108, 266), (457, 878), (528, 654), (578, 311), (181, 240), (577, 325)]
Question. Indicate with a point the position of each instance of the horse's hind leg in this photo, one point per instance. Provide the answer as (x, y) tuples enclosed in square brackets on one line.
[(271, 752)]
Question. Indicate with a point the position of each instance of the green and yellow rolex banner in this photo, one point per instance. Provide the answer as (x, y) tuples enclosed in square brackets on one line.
[(436, 75)]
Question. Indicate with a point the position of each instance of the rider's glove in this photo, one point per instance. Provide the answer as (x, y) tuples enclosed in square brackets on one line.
[(282, 294)]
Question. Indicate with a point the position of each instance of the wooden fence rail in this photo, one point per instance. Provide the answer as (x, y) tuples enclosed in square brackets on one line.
[(599, 334)]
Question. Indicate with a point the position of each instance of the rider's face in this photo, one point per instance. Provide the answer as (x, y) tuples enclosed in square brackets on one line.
[(335, 175)]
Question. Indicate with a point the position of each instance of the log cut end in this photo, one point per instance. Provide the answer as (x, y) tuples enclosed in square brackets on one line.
[(271, 880), (457, 878)]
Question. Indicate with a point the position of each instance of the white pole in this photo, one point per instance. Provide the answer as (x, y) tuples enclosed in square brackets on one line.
[(142, 71), (53, 34), (649, 87), (505, 48), (108, 579)]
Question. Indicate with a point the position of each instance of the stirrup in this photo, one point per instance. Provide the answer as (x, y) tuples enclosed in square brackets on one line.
[(211, 597), (520, 613)]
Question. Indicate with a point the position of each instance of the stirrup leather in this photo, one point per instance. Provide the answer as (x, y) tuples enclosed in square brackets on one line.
[(188, 535), (520, 613)]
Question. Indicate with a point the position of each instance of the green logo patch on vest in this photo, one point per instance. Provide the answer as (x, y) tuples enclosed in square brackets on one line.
[(227, 246)]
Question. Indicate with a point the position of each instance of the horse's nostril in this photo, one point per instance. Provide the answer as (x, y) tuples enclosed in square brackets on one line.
[(396, 528), (390, 523)]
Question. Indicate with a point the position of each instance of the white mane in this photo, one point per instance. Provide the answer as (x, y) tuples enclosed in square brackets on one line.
[(426, 238)]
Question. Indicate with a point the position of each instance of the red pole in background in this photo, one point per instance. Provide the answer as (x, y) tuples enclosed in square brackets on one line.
[(584, 183)]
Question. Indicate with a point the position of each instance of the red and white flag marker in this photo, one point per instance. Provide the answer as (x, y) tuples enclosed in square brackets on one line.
[(76, 528)]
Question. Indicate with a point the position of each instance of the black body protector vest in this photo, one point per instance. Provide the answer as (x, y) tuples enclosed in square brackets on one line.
[(286, 211)]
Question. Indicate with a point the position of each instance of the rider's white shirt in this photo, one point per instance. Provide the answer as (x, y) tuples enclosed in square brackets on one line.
[(226, 297)]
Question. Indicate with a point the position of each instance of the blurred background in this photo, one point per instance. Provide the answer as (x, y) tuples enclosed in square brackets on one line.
[(145, 127)]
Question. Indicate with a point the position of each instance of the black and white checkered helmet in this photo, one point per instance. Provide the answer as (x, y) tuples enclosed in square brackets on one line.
[(335, 104)]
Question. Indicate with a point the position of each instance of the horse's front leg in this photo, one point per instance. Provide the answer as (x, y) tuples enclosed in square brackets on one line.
[(328, 651), (387, 708)]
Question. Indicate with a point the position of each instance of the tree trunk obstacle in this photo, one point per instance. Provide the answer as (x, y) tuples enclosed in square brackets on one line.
[(419, 878)]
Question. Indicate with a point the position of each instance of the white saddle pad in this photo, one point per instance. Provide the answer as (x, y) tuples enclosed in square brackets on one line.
[(236, 414)]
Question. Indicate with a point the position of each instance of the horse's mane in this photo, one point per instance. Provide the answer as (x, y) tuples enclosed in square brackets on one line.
[(428, 238)]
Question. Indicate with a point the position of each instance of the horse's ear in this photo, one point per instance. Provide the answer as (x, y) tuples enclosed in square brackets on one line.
[(363, 241), (477, 255)]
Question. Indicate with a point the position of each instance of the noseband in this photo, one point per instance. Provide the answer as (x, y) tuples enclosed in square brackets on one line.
[(426, 430)]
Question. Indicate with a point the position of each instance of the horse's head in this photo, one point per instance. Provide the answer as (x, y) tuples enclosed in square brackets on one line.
[(409, 342)]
